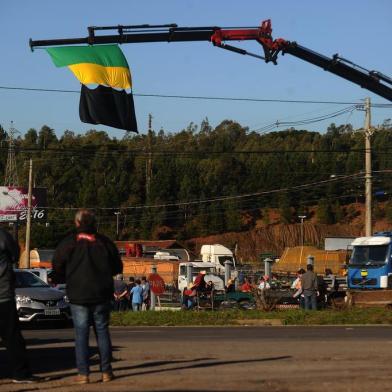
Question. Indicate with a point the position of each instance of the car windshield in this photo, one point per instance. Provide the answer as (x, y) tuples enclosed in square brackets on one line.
[(222, 259), (209, 270), (27, 279), (369, 255), (46, 254)]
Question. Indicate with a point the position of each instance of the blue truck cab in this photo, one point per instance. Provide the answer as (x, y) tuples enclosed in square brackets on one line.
[(370, 264)]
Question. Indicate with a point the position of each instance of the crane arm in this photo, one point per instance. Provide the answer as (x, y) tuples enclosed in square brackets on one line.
[(374, 81), (371, 80)]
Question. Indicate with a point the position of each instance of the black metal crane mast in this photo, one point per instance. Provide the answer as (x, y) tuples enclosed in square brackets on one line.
[(374, 81)]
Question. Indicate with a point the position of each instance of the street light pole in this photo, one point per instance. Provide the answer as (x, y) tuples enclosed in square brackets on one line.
[(302, 217), (117, 223)]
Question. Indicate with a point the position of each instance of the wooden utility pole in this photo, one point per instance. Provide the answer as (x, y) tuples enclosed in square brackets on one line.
[(368, 170), (28, 218)]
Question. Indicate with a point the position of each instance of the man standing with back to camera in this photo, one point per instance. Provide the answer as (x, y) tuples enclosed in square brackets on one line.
[(9, 323), (87, 261)]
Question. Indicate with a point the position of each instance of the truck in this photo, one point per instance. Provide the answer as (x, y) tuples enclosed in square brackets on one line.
[(217, 254), (370, 264), (369, 274), (196, 268)]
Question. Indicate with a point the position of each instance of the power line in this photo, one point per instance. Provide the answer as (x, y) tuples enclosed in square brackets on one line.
[(300, 101), (221, 198), (104, 153), (279, 124)]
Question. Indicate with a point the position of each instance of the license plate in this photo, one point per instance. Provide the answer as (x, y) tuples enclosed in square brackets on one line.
[(52, 312), (364, 273)]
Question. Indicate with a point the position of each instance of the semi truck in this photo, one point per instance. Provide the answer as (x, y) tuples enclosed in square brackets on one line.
[(217, 254), (370, 264), (369, 274)]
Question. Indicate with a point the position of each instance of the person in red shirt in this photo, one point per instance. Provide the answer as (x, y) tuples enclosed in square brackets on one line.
[(200, 284), (246, 287)]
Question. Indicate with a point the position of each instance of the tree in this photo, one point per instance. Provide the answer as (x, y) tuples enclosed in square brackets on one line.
[(46, 137), (324, 212), (286, 215)]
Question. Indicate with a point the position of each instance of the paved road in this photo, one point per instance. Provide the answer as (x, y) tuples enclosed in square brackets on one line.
[(221, 359)]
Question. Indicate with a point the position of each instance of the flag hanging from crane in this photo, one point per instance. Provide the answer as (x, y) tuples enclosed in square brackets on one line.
[(107, 67)]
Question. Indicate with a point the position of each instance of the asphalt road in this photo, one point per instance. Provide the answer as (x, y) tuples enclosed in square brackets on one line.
[(220, 359)]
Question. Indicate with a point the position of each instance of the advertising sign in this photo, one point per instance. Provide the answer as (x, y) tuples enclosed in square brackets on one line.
[(14, 200), (157, 284)]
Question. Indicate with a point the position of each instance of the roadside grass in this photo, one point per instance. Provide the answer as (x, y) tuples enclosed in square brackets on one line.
[(232, 317)]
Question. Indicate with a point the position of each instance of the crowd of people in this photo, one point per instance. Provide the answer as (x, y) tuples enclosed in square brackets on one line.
[(133, 295), (193, 291), (309, 289)]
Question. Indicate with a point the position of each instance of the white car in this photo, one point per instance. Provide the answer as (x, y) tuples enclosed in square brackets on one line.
[(36, 300)]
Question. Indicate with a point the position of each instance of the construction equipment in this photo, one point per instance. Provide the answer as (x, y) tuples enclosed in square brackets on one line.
[(374, 81)]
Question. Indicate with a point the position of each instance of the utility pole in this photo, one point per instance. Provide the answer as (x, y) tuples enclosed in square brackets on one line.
[(149, 158), (11, 173), (368, 170), (117, 213), (28, 221)]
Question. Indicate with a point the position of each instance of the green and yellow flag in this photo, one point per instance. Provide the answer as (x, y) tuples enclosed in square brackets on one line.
[(101, 64)]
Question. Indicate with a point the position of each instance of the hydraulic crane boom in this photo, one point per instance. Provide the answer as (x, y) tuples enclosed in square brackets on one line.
[(374, 81)]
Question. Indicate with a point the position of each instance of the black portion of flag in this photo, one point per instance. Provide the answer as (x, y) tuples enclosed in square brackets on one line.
[(106, 106)]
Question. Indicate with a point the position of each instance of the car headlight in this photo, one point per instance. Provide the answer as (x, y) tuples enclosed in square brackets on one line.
[(65, 299), (23, 300)]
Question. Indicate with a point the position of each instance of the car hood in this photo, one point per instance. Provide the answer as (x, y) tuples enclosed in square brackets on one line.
[(40, 293)]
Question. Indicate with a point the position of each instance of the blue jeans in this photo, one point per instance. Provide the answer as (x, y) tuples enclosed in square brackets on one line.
[(136, 307), (310, 301), (99, 315)]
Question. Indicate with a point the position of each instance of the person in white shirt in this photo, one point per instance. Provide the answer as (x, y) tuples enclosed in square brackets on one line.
[(296, 285), (264, 285)]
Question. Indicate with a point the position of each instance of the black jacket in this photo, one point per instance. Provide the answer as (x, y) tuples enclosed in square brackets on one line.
[(87, 261), (9, 254)]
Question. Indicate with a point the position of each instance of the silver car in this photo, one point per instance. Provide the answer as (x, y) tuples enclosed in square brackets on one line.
[(36, 300)]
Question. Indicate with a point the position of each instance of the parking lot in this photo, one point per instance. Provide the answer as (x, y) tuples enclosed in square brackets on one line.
[(220, 359)]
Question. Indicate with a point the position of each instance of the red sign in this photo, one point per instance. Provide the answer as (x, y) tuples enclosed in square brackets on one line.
[(157, 284)]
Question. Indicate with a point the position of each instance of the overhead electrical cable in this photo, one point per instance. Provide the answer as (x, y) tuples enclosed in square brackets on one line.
[(222, 198), (299, 101), (280, 124)]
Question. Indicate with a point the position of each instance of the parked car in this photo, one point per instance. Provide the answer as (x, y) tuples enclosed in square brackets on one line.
[(46, 275), (36, 300)]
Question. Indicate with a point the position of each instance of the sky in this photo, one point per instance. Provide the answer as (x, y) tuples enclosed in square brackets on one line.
[(359, 30)]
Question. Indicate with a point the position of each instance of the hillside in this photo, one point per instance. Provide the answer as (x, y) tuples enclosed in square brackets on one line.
[(273, 238)]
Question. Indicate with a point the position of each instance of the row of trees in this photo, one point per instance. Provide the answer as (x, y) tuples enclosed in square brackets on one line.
[(146, 176)]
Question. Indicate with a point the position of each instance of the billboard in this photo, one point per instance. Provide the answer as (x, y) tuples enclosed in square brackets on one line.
[(14, 200)]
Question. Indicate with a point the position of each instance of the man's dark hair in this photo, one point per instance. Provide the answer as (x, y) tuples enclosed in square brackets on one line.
[(131, 279), (144, 278), (301, 271), (137, 281), (85, 219), (309, 267)]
